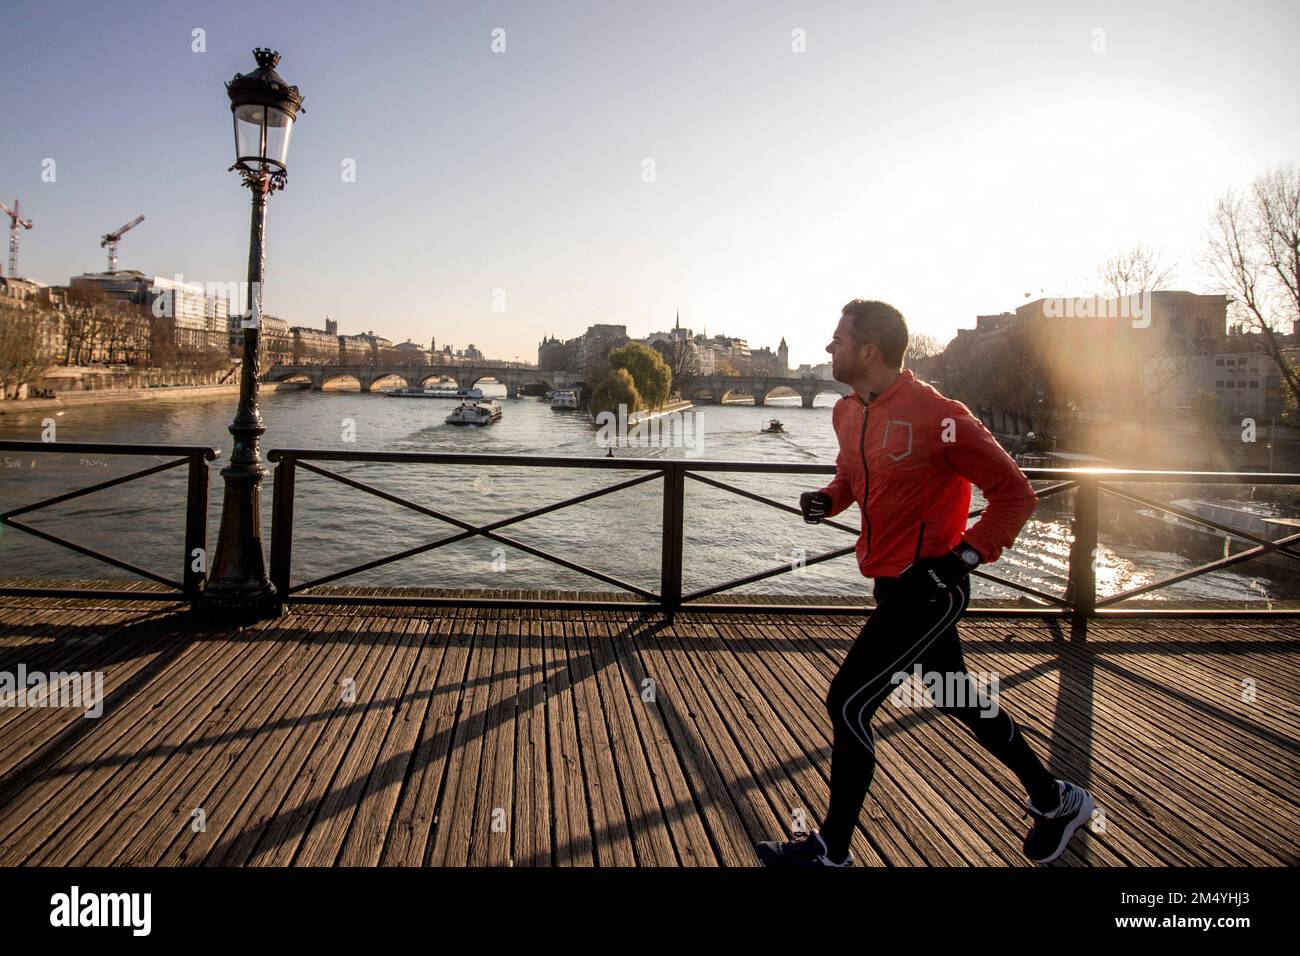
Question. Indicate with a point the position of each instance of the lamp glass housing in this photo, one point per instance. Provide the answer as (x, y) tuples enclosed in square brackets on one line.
[(261, 136)]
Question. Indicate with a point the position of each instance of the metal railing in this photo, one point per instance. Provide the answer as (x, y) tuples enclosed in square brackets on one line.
[(1079, 602), (193, 574)]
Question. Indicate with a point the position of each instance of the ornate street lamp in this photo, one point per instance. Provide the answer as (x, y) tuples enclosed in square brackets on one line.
[(264, 109)]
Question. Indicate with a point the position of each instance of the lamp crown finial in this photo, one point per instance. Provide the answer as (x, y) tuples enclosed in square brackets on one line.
[(267, 59)]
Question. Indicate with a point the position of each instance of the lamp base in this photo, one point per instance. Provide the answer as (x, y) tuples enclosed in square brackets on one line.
[(238, 605)]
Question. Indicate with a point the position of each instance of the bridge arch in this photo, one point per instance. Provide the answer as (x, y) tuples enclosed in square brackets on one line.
[(777, 391), (348, 379), (431, 379), (738, 391), (387, 380)]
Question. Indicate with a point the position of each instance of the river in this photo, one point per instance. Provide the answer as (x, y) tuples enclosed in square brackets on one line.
[(336, 527)]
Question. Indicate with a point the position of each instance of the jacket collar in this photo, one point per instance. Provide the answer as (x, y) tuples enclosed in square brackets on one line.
[(904, 377)]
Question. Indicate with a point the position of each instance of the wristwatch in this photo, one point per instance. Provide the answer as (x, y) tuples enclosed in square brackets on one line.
[(969, 556)]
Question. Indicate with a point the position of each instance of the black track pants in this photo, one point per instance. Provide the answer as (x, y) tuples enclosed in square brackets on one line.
[(900, 634)]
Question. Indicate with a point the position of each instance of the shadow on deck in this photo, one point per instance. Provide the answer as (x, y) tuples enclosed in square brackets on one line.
[(442, 736)]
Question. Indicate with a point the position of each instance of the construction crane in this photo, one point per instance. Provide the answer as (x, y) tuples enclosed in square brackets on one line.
[(111, 239), (15, 220)]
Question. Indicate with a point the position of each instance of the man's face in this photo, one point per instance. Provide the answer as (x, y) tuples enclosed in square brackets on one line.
[(847, 358)]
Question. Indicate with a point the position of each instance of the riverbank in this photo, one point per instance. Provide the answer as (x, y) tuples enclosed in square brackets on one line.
[(68, 400)]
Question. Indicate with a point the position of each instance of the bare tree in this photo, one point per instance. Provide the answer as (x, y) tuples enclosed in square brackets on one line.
[(681, 358), (1254, 252), (22, 353), (1151, 365), (1133, 270)]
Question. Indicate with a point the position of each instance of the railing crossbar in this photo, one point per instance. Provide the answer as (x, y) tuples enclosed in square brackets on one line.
[(91, 489), (1198, 571), (486, 531), (767, 501), (1032, 592), (769, 573), (1198, 519), (107, 559)]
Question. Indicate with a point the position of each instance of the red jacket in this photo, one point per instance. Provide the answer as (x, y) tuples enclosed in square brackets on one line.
[(913, 455)]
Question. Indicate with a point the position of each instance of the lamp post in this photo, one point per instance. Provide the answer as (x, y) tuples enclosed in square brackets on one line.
[(238, 589)]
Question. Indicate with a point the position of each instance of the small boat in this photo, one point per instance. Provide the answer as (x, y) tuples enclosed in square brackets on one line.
[(564, 399), (774, 427), (436, 391), (475, 413)]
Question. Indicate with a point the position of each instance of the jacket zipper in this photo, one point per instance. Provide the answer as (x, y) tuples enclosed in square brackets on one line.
[(866, 475), (919, 538)]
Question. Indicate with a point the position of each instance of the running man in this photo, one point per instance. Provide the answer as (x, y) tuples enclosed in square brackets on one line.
[(908, 457)]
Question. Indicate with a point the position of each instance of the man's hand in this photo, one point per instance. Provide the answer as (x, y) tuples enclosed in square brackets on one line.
[(814, 505), (932, 578)]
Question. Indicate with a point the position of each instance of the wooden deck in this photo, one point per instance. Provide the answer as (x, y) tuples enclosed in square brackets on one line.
[(393, 736)]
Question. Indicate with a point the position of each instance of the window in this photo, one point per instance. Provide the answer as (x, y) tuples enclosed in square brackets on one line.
[(1218, 361), (1219, 384), (1254, 384), (1232, 385)]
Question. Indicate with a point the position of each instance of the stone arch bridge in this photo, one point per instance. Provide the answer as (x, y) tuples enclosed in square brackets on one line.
[(521, 380)]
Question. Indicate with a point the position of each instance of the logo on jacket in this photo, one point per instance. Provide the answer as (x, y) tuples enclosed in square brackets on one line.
[(898, 440)]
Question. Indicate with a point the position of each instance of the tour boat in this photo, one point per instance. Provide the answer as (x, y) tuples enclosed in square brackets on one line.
[(436, 391), (475, 413), (564, 399), (774, 427)]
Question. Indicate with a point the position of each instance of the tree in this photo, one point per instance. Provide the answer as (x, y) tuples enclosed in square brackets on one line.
[(922, 347), (1254, 252), (22, 354), (681, 358), (615, 388), (1146, 366), (1134, 270), (83, 316), (649, 372)]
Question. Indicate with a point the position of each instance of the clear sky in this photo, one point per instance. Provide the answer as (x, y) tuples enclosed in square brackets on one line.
[(945, 157)]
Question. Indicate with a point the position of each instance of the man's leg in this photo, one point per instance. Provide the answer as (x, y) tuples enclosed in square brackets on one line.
[(991, 725), (895, 636)]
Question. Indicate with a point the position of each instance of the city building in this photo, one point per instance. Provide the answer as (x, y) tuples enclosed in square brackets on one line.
[(313, 346)]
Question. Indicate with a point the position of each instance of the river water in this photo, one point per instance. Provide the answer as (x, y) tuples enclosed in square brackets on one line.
[(337, 527)]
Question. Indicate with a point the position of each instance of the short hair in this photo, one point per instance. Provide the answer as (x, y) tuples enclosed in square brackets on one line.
[(879, 324)]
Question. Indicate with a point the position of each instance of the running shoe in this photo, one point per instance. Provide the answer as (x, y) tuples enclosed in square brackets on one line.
[(808, 850), (1052, 830)]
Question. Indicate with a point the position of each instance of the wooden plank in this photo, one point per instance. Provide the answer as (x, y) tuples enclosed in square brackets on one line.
[(175, 789), (690, 838), (611, 839), (350, 645), (417, 803), (706, 737), (454, 820), (284, 835), (647, 821), (494, 808), (533, 814), (249, 791), (574, 839), (364, 841), (322, 844), (107, 771)]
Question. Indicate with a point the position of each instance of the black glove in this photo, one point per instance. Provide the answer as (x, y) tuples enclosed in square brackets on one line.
[(931, 578), (814, 505)]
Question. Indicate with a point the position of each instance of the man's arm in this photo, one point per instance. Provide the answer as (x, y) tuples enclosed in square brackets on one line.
[(976, 455), (840, 490)]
